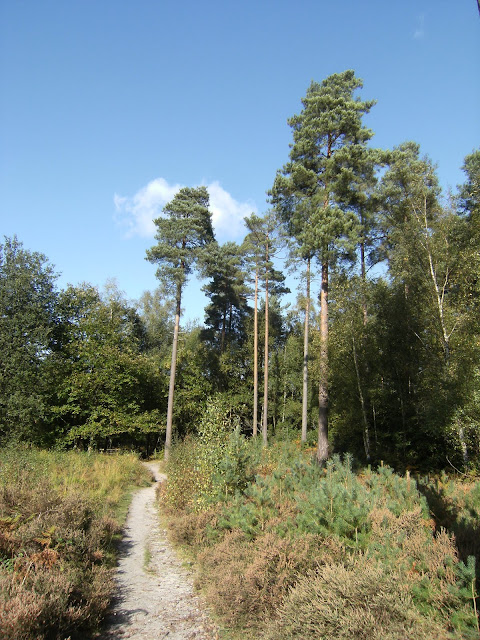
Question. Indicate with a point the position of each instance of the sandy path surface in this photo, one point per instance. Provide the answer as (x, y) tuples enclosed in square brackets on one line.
[(155, 597)]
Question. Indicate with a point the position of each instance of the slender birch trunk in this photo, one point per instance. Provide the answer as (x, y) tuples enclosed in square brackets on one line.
[(224, 331), (305, 358), (363, 402), (364, 281), (322, 447), (366, 430)]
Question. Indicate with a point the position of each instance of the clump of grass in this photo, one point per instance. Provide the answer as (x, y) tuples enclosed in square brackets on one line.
[(58, 523)]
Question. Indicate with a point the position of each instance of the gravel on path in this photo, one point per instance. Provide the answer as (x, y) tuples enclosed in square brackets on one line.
[(155, 598)]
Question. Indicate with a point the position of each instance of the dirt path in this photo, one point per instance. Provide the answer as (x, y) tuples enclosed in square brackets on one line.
[(155, 598)]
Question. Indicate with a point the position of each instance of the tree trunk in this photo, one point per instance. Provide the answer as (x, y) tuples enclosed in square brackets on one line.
[(364, 280), (366, 430), (463, 445), (439, 292), (265, 370), (305, 358), (322, 447), (173, 369), (363, 402), (224, 330), (284, 381), (255, 356)]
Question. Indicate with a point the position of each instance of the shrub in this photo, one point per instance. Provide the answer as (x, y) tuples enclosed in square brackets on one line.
[(358, 600), (259, 574), (214, 465), (305, 551)]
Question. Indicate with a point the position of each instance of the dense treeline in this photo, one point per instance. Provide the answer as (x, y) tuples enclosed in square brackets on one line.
[(378, 357)]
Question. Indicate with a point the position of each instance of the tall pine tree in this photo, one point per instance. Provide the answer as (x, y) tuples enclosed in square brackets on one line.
[(327, 135), (182, 234)]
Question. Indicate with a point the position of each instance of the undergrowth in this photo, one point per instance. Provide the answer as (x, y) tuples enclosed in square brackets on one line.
[(60, 513), (288, 549)]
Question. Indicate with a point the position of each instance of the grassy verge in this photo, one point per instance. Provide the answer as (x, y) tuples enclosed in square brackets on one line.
[(286, 549), (60, 514)]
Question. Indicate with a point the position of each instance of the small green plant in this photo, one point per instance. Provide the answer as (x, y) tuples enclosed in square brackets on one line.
[(147, 558)]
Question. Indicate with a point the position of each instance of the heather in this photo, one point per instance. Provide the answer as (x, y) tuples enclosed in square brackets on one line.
[(287, 548), (60, 515)]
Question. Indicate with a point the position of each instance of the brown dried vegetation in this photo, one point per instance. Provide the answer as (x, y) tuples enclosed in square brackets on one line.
[(56, 553)]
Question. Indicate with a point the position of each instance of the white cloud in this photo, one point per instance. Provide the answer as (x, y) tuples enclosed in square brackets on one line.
[(137, 213), (227, 213)]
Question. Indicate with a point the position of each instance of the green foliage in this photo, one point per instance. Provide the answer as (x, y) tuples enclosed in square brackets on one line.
[(108, 392), (327, 136), (157, 310), (215, 464), (27, 337), (325, 552), (234, 471), (327, 501), (193, 383), (226, 314), (182, 233)]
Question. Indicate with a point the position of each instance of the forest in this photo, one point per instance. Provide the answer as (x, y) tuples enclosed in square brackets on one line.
[(377, 357), (307, 443)]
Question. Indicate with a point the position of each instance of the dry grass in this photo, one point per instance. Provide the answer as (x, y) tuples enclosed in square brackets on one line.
[(58, 523), (361, 601)]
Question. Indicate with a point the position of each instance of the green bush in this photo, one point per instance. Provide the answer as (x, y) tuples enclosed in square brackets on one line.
[(215, 464), (324, 552)]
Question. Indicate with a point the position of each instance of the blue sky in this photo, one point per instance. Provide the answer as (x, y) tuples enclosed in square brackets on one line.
[(107, 106)]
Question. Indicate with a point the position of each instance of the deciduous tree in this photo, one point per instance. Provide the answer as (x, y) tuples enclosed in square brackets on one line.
[(27, 337)]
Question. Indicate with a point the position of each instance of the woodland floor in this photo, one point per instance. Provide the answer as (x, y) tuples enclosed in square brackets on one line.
[(155, 599)]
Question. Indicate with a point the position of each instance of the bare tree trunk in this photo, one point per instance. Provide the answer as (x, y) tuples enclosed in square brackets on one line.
[(364, 281), (255, 356), (173, 369), (265, 371), (366, 431), (322, 447), (305, 358), (439, 290), (463, 445), (363, 403), (224, 330)]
